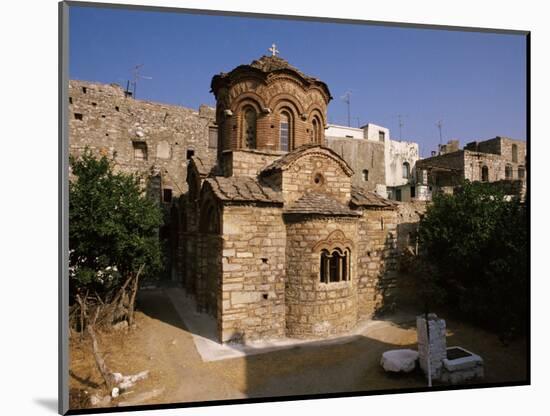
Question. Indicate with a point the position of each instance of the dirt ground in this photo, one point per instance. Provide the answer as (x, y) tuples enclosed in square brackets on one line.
[(162, 345)]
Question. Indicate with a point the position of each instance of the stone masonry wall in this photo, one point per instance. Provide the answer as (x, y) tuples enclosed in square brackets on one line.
[(496, 164), (361, 155), (376, 261), (247, 162), (111, 124), (300, 178), (315, 309), (253, 264)]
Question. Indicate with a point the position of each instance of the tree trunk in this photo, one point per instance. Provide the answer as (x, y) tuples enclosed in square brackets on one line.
[(133, 297), (100, 362)]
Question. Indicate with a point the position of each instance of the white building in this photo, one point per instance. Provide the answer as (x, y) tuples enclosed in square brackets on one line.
[(399, 159)]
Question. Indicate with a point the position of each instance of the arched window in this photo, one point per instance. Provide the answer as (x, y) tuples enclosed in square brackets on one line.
[(249, 127), (210, 221), (521, 172), (365, 175), (508, 172), (334, 265), (316, 132), (285, 130), (484, 174), (515, 153), (406, 170)]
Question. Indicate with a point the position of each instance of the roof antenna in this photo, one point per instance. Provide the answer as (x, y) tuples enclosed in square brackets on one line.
[(347, 99), (137, 76), (401, 123), (439, 125)]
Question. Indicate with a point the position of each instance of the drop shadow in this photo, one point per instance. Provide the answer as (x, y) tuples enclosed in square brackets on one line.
[(47, 403)]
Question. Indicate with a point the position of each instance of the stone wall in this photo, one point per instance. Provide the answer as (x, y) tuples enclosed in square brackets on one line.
[(138, 135), (253, 279), (319, 173), (376, 261), (362, 155), (408, 217), (496, 164), (315, 309), (247, 162)]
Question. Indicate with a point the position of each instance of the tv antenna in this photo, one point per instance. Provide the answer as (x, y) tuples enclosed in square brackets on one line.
[(401, 124), (347, 99), (137, 77), (439, 125)]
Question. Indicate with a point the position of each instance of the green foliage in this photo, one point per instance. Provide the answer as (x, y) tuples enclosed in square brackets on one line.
[(113, 228), (478, 242)]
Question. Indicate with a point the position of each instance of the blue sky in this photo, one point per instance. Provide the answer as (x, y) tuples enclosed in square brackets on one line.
[(475, 83)]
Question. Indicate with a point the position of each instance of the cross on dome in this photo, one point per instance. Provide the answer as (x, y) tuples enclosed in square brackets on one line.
[(274, 51)]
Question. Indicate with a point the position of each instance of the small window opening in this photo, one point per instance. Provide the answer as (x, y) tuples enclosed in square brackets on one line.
[(117, 108), (167, 195), (264, 295), (515, 153), (94, 104), (406, 170), (334, 266), (484, 174), (212, 137), (70, 100), (84, 90), (140, 150), (264, 260), (78, 116), (521, 172), (413, 192), (381, 136), (365, 175), (318, 179), (190, 153), (508, 172)]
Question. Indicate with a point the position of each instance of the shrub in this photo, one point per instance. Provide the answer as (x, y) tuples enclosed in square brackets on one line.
[(113, 233), (477, 241)]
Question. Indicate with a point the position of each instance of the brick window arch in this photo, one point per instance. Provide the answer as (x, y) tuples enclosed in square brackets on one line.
[(334, 265), (285, 130), (316, 130), (249, 127)]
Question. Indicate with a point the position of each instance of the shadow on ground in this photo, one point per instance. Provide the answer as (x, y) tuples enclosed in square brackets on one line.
[(310, 368)]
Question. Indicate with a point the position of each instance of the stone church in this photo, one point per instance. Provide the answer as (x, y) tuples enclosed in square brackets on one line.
[(274, 240)]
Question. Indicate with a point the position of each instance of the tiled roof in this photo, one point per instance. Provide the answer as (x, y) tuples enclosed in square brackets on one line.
[(243, 189), (317, 203), (204, 165), (284, 162), (360, 197), (275, 63), (267, 65)]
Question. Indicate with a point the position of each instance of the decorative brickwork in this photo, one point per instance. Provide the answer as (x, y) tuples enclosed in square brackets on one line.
[(277, 99)]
